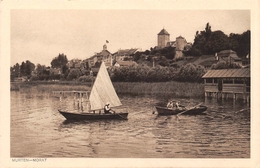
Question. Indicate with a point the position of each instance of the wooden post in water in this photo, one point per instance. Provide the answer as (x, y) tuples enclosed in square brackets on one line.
[(221, 95), (82, 101), (60, 96), (82, 97), (74, 95), (78, 98)]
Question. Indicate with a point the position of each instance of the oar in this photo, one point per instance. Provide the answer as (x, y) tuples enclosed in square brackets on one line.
[(119, 115), (187, 110), (242, 110)]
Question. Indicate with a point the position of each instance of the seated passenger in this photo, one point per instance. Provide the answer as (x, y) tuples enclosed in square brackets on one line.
[(170, 105), (107, 109)]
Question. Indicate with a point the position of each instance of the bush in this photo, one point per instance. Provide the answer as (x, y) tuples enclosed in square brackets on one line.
[(191, 73), (141, 73), (224, 65), (85, 78), (74, 74)]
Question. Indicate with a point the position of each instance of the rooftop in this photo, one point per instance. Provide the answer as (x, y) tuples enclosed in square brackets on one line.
[(228, 73), (163, 32), (126, 63)]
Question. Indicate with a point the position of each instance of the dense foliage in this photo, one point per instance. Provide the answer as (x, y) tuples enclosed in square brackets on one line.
[(210, 42), (74, 74), (143, 73), (191, 73), (224, 65), (25, 69), (59, 61), (86, 78)]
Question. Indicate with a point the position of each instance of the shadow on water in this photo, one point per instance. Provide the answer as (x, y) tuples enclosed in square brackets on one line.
[(89, 122)]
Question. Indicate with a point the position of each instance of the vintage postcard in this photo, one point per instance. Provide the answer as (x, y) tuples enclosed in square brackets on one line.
[(129, 83)]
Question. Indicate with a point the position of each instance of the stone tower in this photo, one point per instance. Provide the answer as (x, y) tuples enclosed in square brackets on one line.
[(163, 38), (180, 44)]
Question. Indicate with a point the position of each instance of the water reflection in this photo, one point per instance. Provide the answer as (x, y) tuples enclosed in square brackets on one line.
[(38, 130)]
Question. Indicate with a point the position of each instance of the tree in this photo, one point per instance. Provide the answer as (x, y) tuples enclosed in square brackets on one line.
[(137, 56), (29, 67), (15, 70), (74, 74), (39, 69), (207, 31), (26, 68), (65, 70), (147, 52), (240, 43), (59, 61), (191, 73), (200, 40), (217, 42), (23, 69)]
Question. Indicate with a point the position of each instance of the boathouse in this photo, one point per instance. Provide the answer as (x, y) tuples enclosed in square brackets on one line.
[(226, 83)]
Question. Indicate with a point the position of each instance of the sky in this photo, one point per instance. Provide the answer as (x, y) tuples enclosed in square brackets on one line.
[(39, 35)]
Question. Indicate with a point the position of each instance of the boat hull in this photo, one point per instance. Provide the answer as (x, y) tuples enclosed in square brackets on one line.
[(194, 111), (93, 116)]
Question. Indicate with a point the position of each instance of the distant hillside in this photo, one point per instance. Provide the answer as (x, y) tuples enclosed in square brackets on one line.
[(150, 60)]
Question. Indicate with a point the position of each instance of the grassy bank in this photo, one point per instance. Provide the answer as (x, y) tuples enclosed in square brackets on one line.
[(45, 86), (175, 89)]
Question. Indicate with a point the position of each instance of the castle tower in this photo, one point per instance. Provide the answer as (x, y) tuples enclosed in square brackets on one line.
[(180, 44), (163, 38)]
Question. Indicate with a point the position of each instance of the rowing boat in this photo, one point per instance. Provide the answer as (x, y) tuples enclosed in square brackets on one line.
[(199, 110)]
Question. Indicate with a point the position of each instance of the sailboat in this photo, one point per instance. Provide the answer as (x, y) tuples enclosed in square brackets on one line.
[(102, 92)]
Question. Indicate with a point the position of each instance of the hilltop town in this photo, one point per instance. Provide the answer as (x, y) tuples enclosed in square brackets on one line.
[(209, 48)]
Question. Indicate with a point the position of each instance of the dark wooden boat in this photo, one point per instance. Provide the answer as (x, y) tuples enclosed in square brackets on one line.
[(193, 111), (101, 93), (93, 116)]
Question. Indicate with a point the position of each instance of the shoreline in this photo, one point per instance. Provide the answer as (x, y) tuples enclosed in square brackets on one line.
[(174, 89)]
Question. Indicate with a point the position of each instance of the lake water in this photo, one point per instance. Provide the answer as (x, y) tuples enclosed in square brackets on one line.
[(38, 130)]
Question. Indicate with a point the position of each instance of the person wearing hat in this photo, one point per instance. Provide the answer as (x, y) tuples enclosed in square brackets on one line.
[(107, 108)]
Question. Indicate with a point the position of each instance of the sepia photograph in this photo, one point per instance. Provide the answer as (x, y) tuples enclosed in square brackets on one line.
[(129, 86)]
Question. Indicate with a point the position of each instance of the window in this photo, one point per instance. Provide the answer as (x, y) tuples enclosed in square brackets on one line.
[(227, 80), (209, 80), (238, 80)]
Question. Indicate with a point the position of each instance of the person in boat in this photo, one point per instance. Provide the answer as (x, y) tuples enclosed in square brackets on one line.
[(170, 105), (107, 109), (177, 104)]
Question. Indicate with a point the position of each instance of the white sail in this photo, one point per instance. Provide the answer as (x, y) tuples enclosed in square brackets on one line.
[(103, 91)]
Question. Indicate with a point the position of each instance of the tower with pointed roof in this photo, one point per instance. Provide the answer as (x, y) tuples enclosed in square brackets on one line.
[(163, 38)]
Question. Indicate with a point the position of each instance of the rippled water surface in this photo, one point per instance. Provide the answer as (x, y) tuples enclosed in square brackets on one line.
[(38, 130)]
